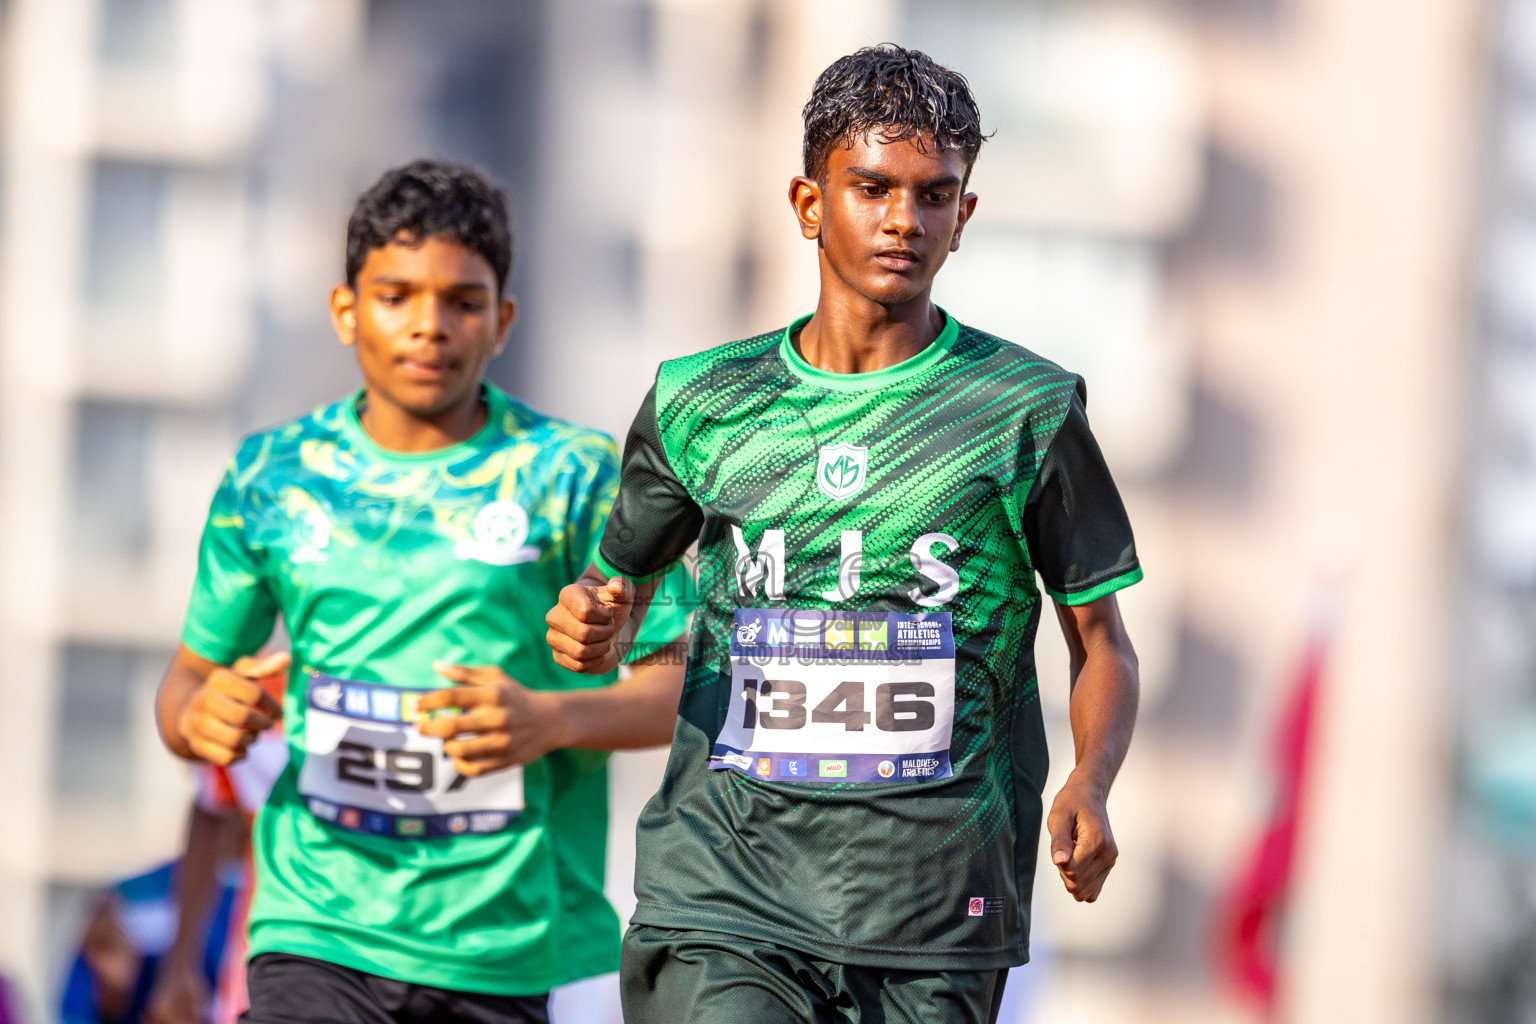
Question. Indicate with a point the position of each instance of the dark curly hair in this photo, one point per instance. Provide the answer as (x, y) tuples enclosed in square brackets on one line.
[(893, 93), (432, 199)]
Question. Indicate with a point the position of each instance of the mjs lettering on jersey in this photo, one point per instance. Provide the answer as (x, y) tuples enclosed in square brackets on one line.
[(763, 569)]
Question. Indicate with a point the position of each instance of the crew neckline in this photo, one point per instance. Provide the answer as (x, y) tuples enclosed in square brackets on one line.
[(495, 411), (871, 379)]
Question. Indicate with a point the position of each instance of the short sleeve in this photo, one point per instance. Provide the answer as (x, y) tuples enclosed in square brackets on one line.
[(1074, 523), (232, 610), (593, 487), (667, 618), (654, 519)]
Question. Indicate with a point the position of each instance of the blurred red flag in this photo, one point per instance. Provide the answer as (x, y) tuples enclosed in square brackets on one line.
[(1252, 909)]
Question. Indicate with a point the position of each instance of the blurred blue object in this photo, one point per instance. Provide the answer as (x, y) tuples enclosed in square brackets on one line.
[(142, 910)]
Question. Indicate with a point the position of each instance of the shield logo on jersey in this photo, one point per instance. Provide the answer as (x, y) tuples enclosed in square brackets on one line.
[(842, 470), (500, 528)]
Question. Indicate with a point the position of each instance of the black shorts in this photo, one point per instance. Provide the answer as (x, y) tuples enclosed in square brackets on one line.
[(692, 977), (287, 989)]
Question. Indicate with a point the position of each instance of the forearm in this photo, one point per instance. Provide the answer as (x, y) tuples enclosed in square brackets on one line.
[(1105, 695), (195, 883), (181, 681), (639, 711)]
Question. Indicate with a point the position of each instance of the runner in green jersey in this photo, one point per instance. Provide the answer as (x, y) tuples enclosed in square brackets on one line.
[(436, 847), (847, 829)]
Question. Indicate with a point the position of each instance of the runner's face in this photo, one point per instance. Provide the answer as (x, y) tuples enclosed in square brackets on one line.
[(889, 215), (425, 320)]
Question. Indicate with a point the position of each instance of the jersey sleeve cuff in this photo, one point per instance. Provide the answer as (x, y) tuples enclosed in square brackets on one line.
[(208, 647), (1096, 591), (609, 571)]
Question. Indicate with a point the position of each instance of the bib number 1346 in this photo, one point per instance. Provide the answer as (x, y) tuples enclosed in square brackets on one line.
[(855, 696), (904, 706)]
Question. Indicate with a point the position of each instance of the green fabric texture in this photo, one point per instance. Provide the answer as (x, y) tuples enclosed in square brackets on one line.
[(713, 978), (930, 467), (381, 563)]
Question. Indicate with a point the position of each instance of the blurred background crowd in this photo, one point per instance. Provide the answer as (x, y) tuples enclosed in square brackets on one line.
[(1284, 240)]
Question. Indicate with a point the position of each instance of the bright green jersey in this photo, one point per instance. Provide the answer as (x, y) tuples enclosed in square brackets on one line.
[(857, 769), (372, 852)]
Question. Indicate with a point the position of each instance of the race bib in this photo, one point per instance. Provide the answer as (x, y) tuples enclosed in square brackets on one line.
[(366, 768), (839, 696)]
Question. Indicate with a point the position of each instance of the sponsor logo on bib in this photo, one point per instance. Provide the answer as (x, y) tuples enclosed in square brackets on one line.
[(746, 633), (328, 695), (500, 531), (842, 470), (887, 769), (834, 769)]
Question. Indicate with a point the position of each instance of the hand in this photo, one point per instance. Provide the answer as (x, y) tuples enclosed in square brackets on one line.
[(500, 723), (180, 996), (230, 709), (586, 622), (1082, 847)]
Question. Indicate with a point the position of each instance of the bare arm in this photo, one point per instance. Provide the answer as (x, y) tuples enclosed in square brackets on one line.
[(1105, 692), (210, 712), (636, 712), (502, 723), (180, 994)]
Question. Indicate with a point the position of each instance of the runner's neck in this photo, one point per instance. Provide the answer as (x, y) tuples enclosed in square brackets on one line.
[(396, 430), (862, 336)]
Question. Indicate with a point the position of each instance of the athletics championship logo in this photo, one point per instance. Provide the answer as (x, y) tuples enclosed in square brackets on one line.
[(842, 470)]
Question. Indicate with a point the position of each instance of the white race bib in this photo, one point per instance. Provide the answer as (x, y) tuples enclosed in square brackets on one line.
[(847, 696), (366, 768)]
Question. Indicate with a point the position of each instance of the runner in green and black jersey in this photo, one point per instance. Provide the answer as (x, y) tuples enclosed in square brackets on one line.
[(848, 825), (435, 848)]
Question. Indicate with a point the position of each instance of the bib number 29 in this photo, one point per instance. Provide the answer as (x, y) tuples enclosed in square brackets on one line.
[(781, 704), (403, 771)]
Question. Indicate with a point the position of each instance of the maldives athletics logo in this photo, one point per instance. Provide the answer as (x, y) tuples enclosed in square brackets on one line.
[(842, 470)]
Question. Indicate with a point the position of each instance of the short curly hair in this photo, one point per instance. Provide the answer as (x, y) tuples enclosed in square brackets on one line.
[(432, 199), (893, 93)]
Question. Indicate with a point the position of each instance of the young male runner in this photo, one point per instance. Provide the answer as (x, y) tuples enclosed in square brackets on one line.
[(848, 824), (432, 852)]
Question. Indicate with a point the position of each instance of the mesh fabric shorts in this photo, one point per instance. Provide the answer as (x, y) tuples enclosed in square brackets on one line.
[(701, 977)]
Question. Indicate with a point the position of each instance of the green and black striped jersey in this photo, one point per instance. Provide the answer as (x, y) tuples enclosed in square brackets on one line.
[(858, 762)]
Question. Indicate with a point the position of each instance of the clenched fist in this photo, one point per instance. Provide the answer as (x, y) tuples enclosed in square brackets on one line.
[(585, 625), (230, 709)]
